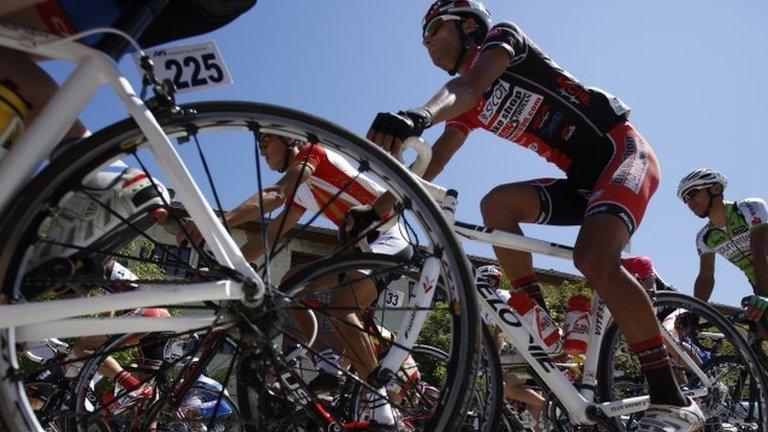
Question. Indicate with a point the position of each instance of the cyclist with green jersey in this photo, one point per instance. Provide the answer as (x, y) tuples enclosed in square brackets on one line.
[(735, 229)]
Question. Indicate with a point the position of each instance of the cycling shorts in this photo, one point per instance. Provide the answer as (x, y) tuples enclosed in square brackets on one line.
[(622, 186), (390, 241)]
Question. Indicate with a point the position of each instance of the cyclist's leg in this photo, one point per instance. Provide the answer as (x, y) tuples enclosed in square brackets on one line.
[(504, 208), (33, 84), (616, 208), (542, 201), (346, 302), (515, 389), (22, 11)]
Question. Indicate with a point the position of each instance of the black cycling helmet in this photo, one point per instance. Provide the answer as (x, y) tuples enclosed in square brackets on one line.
[(461, 9)]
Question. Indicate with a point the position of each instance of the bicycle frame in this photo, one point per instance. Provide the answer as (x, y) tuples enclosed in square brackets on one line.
[(578, 402), (38, 141)]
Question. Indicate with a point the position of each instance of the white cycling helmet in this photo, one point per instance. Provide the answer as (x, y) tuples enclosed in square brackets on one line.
[(699, 179), (489, 274)]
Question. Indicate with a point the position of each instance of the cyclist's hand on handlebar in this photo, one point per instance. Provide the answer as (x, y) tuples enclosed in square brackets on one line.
[(755, 307), (390, 129), (359, 221)]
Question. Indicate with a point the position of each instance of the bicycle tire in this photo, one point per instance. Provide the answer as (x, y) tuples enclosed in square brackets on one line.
[(613, 355), (19, 226)]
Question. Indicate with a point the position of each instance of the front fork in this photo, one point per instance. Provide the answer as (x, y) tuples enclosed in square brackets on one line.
[(422, 299)]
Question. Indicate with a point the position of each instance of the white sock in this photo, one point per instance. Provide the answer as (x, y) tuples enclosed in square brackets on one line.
[(328, 361), (381, 411)]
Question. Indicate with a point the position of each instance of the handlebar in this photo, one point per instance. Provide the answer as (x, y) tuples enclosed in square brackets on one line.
[(420, 164)]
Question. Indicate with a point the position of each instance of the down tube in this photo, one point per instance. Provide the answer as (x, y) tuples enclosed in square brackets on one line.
[(413, 321), (518, 332)]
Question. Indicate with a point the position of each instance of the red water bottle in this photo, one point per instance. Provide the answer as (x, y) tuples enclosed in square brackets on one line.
[(577, 321), (537, 318)]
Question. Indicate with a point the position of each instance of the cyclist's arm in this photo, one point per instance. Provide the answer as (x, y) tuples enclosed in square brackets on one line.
[(461, 93), (271, 197), (758, 244), (705, 281), (249, 210), (253, 249)]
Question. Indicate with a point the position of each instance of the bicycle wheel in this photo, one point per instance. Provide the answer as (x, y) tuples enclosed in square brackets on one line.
[(298, 395), (70, 224), (738, 382)]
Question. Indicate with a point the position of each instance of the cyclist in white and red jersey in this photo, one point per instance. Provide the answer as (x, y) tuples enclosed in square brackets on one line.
[(323, 181), (508, 86)]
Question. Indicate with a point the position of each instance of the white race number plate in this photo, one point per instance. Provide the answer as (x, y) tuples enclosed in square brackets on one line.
[(190, 67)]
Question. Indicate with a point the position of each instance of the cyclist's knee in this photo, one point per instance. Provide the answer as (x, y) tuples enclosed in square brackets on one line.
[(498, 215), (595, 263)]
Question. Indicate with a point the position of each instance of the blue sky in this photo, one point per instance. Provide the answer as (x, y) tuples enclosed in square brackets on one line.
[(692, 71)]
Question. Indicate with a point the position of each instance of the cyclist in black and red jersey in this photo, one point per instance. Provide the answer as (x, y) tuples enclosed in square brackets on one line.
[(508, 86)]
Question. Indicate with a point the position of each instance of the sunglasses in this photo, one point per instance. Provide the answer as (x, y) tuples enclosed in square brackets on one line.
[(691, 194), (436, 22)]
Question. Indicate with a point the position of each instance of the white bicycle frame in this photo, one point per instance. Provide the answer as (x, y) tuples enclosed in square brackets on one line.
[(578, 402), (95, 68)]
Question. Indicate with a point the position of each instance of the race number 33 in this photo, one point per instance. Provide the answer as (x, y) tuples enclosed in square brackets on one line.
[(190, 67)]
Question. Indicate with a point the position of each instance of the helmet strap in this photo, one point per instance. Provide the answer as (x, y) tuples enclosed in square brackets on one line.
[(465, 42), (286, 155)]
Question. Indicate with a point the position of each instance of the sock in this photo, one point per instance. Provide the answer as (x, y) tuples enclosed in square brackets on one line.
[(381, 411), (530, 284), (328, 361), (126, 380), (656, 365)]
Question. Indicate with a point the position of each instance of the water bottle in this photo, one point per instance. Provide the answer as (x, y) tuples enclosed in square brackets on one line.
[(577, 321), (538, 320)]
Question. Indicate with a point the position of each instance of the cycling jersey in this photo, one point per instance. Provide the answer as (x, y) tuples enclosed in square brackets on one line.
[(732, 241), (584, 131), (335, 185), (538, 105)]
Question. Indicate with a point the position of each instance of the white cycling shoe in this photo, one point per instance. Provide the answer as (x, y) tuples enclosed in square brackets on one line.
[(81, 221), (671, 418)]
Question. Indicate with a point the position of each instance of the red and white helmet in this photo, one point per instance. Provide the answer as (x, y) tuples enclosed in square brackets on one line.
[(489, 274), (460, 8), (699, 179)]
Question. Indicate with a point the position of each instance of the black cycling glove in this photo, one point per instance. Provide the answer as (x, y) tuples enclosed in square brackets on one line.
[(403, 124), (358, 221)]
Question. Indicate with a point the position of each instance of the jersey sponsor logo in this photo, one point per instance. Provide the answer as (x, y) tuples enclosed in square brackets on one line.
[(572, 91), (542, 115), (567, 132), (551, 126), (631, 172), (500, 91), (517, 113)]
